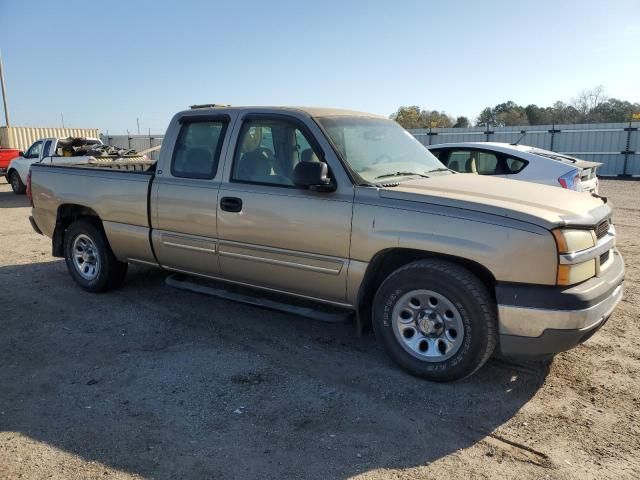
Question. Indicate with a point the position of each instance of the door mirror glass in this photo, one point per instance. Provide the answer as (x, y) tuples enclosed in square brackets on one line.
[(312, 175)]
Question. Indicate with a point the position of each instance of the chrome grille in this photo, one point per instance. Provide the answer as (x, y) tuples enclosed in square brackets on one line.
[(602, 229)]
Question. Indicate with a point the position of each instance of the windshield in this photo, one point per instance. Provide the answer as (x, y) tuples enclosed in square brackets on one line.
[(377, 148)]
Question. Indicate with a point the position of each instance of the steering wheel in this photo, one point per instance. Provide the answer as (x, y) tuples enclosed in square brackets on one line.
[(384, 158)]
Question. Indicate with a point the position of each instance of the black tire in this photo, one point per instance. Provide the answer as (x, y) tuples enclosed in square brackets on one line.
[(17, 186), (476, 312), (110, 273)]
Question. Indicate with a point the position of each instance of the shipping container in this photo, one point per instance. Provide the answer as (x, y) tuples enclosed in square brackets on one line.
[(22, 137)]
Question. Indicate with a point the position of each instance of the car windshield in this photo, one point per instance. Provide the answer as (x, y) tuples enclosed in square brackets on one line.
[(379, 150)]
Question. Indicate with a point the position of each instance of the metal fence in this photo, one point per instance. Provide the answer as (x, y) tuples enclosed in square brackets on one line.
[(138, 142), (616, 145)]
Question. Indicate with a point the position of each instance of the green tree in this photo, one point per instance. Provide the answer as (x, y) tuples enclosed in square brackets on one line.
[(408, 117), (434, 118), (413, 117), (589, 106), (486, 118), (538, 115), (613, 110), (462, 122), (563, 113)]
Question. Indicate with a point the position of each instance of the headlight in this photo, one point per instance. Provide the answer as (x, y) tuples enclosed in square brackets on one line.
[(573, 240), (570, 241)]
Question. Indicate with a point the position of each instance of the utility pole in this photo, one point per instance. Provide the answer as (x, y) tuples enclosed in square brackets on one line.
[(138, 122), (4, 94), (62, 118)]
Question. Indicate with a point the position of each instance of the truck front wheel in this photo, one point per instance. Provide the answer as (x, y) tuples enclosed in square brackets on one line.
[(89, 258), (16, 183), (435, 319)]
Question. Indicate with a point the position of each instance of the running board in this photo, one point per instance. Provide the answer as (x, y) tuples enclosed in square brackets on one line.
[(262, 299)]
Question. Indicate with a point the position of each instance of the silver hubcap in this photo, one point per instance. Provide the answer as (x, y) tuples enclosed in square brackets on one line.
[(85, 257), (428, 325)]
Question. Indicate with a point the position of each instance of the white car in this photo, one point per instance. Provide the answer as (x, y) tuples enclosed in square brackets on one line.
[(519, 162), (68, 151), (47, 150)]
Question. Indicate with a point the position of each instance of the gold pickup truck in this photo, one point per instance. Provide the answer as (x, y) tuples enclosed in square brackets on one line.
[(348, 209)]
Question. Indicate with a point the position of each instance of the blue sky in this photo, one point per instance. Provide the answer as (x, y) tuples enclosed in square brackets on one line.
[(102, 64)]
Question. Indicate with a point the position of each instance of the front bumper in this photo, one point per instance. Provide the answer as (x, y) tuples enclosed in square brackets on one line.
[(537, 321)]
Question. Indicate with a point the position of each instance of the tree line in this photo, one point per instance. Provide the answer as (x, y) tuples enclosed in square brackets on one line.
[(590, 106)]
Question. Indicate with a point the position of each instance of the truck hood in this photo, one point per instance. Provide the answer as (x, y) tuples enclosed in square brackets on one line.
[(542, 205)]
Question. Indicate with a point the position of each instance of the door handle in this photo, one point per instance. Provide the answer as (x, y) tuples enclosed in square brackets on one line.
[(231, 204)]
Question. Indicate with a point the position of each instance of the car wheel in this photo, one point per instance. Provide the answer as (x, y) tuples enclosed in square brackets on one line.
[(89, 258), (16, 183), (436, 320)]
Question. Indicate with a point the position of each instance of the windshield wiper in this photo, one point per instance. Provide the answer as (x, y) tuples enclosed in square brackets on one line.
[(440, 169), (400, 174)]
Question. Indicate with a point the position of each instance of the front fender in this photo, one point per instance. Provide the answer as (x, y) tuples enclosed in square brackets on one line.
[(21, 165), (511, 251)]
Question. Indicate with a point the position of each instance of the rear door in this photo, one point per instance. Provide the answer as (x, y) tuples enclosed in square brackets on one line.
[(184, 196), (273, 234)]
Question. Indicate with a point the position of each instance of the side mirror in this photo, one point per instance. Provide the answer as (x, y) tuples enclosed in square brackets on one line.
[(314, 176)]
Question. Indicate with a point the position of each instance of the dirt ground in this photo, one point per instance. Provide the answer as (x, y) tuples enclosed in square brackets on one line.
[(151, 382)]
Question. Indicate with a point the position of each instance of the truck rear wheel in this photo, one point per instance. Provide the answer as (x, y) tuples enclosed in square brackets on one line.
[(435, 319), (89, 258), (16, 183)]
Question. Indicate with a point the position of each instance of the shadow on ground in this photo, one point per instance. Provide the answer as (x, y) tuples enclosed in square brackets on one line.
[(8, 199), (169, 384)]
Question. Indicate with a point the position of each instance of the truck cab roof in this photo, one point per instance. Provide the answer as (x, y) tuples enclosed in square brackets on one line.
[(315, 112)]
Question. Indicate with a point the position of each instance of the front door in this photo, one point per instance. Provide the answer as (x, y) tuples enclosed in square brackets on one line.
[(272, 233), (185, 198)]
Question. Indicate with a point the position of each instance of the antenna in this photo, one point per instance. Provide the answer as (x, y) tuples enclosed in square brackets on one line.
[(524, 133)]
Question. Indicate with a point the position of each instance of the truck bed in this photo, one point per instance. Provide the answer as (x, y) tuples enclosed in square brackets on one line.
[(117, 192)]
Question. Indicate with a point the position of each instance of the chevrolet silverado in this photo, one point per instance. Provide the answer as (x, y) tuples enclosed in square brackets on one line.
[(348, 209)]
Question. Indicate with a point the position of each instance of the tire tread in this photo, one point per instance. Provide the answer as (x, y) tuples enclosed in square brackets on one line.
[(476, 289)]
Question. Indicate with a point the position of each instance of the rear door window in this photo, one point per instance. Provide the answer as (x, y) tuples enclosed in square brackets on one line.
[(197, 150), (474, 161), (460, 161), (514, 165), (486, 163)]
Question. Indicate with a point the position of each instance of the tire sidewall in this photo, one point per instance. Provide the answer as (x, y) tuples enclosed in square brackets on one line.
[(19, 187), (97, 237), (474, 320)]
